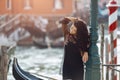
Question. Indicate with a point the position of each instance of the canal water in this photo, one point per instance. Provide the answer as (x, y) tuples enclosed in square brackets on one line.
[(46, 62)]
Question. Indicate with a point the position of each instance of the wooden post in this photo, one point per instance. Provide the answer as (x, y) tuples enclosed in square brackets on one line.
[(3, 63), (113, 6), (102, 49), (107, 57), (112, 55)]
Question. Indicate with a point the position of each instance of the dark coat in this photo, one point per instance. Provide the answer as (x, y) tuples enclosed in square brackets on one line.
[(75, 46)]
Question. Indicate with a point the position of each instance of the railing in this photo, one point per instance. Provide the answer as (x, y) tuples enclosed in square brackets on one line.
[(112, 67), (109, 70), (9, 24), (3, 16), (3, 19)]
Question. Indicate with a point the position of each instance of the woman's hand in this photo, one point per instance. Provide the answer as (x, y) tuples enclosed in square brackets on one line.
[(85, 57)]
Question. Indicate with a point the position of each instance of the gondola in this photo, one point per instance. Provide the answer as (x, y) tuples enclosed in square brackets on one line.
[(20, 74)]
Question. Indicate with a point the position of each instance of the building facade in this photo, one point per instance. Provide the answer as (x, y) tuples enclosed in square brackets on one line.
[(36, 7)]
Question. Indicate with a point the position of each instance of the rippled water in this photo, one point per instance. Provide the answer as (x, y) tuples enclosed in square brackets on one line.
[(43, 61), (38, 61)]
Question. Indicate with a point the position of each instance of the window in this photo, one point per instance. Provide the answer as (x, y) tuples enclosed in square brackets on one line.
[(58, 4), (9, 4), (27, 4)]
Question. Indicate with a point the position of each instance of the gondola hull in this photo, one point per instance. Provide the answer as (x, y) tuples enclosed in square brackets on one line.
[(20, 74)]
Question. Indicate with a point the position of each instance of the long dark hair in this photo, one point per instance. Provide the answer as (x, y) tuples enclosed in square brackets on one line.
[(82, 34)]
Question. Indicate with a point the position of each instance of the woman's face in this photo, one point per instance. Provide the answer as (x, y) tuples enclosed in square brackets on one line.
[(73, 29)]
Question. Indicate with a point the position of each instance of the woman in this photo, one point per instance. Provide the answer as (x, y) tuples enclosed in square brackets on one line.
[(76, 40)]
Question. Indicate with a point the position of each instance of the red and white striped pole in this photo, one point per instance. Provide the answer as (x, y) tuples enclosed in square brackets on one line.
[(112, 6)]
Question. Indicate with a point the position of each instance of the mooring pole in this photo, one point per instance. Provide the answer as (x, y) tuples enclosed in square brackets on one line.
[(113, 6), (93, 64), (6, 48), (3, 63)]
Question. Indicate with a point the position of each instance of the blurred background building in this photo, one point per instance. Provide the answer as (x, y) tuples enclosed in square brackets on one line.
[(30, 22)]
